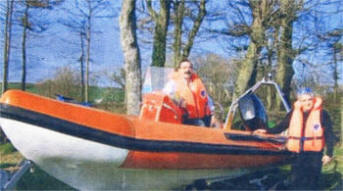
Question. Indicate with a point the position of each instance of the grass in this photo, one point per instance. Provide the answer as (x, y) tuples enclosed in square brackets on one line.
[(332, 174), (7, 148), (37, 179), (16, 85), (338, 157), (9, 158)]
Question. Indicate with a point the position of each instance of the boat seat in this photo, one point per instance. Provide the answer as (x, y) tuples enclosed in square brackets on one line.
[(159, 107)]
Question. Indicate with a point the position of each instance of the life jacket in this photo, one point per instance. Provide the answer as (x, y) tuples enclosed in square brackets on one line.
[(312, 137), (195, 95)]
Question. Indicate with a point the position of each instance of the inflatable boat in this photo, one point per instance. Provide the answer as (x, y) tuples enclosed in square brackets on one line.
[(91, 149)]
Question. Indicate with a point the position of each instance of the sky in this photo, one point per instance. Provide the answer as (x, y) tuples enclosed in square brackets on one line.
[(59, 46)]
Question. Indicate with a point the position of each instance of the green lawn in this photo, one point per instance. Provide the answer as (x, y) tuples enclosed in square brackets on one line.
[(332, 174)]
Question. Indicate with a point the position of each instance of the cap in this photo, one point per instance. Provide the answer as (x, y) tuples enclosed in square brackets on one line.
[(305, 91)]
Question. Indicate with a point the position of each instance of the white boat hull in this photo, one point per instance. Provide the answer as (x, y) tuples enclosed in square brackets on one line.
[(88, 165)]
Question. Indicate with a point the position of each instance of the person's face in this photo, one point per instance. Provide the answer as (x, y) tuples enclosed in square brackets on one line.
[(306, 102), (186, 69)]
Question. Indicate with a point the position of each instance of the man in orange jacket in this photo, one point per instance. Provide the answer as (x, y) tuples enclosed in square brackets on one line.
[(188, 91), (309, 131)]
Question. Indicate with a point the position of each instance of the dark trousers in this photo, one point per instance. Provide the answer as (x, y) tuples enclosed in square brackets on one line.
[(306, 171), (205, 121), (196, 122)]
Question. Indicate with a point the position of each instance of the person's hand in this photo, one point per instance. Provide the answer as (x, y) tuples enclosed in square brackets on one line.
[(182, 103), (179, 101), (259, 131), (326, 159), (215, 122)]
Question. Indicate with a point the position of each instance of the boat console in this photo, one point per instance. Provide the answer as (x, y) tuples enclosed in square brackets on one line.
[(159, 107)]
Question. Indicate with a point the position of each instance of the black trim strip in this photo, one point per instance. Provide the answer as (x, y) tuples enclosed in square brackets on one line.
[(257, 138), (81, 131)]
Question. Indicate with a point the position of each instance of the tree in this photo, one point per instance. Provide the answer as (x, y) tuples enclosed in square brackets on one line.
[(28, 25), (128, 39), (7, 47), (82, 66), (161, 21), (64, 82), (336, 49), (219, 76), (7, 32), (174, 28), (118, 77), (285, 51), (262, 12), (250, 21), (88, 44), (180, 12), (314, 34), (79, 20)]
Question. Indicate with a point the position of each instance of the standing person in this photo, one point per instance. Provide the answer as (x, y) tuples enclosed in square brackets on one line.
[(187, 90), (309, 131)]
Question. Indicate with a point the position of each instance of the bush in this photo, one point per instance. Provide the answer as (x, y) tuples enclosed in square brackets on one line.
[(65, 82)]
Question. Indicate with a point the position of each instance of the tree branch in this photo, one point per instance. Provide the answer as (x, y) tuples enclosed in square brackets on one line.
[(196, 26), (151, 10)]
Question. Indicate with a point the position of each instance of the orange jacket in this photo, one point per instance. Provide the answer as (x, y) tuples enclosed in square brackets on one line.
[(310, 131), (194, 94)]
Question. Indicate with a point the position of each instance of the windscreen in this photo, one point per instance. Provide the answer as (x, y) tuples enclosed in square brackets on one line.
[(156, 78)]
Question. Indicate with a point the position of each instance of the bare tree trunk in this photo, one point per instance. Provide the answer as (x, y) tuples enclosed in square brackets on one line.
[(88, 56), (25, 27), (80, 21), (336, 49), (271, 94), (127, 24), (285, 54), (82, 59), (179, 9), (195, 29), (7, 47), (160, 32), (247, 70)]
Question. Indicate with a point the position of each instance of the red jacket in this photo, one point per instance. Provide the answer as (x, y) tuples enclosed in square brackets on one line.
[(194, 94)]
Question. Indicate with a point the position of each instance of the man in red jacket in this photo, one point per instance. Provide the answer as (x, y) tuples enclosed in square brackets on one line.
[(188, 91)]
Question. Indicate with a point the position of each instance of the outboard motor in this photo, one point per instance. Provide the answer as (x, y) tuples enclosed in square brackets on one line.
[(252, 112)]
